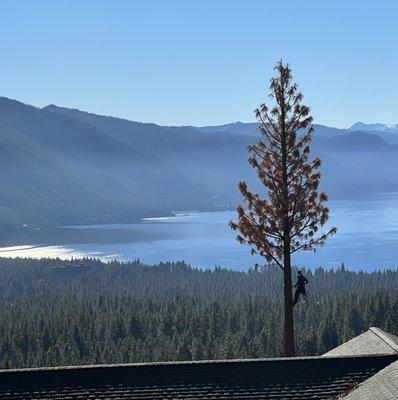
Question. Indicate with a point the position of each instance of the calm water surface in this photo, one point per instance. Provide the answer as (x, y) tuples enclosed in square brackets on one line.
[(367, 238)]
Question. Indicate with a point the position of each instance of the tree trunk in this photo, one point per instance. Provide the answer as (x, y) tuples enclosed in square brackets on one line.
[(289, 327), (287, 267)]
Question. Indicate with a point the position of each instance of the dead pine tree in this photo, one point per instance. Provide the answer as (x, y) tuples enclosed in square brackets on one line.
[(289, 218)]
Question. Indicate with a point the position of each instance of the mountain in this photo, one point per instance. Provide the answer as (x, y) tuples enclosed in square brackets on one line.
[(241, 128), (196, 164), (360, 126), (63, 166), (38, 185), (59, 170), (251, 129), (66, 166), (356, 164), (63, 135), (387, 132), (352, 142)]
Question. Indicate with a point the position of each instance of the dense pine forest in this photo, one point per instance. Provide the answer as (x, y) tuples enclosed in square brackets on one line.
[(89, 312)]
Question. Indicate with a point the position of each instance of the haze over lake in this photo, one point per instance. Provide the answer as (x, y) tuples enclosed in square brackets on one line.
[(367, 238)]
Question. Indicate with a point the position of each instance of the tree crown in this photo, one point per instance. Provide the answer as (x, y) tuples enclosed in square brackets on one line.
[(294, 210)]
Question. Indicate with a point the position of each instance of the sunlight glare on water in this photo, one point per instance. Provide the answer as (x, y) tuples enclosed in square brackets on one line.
[(367, 238)]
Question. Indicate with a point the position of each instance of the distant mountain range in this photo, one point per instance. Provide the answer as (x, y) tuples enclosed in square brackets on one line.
[(360, 126), (66, 166), (251, 128), (387, 132)]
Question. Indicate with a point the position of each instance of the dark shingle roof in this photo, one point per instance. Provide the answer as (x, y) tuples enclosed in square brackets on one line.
[(292, 378)]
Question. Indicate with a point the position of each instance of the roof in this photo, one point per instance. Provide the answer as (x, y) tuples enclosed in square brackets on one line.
[(383, 385), (283, 378), (373, 341), (365, 367)]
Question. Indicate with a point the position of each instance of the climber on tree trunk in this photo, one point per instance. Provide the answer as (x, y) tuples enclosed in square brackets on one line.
[(300, 287)]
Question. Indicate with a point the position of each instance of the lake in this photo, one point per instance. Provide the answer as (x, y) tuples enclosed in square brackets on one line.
[(367, 238)]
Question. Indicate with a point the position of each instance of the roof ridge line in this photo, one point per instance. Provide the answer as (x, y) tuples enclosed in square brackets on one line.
[(380, 333), (192, 362)]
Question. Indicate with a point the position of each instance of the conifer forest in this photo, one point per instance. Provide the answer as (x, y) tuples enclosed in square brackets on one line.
[(90, 312)]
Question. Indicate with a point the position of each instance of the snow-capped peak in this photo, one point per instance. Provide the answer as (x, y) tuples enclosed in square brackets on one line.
[(378, 127)]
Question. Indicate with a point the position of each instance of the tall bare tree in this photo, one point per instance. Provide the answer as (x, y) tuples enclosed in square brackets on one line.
[(289, 218)]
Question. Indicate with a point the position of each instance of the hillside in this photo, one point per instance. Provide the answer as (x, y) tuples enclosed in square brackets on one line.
[(62, 165), (345, 175), (51, 314)]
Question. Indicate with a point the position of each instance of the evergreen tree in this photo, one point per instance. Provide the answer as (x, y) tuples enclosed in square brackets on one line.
[(289, 219)]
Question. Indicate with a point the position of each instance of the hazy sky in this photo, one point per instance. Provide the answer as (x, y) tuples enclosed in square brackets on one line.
[(201, 62)]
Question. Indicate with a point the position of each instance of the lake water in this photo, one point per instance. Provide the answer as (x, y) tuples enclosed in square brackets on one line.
[(367, 238)]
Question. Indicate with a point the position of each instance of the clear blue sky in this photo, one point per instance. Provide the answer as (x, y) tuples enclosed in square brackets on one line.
[(201, 62)]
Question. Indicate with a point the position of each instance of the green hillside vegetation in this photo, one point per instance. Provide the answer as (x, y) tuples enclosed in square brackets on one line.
[(116, 313)]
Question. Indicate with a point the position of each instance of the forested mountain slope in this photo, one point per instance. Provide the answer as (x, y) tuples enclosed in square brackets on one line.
[(67, 166), (89, 312), (355, 163)]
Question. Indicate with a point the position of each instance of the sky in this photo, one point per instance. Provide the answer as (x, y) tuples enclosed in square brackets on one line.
[(201, 62)]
